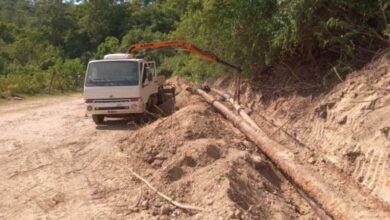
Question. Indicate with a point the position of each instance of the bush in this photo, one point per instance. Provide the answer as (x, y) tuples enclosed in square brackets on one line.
[(69, 75), (255, 34), (13, 84), (193, 69)]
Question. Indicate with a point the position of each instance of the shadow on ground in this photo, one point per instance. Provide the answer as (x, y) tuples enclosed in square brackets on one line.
[(119, 124)]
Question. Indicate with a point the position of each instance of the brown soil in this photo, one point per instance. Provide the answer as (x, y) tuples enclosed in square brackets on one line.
[(55, 163), (343, 133), (197, 157)]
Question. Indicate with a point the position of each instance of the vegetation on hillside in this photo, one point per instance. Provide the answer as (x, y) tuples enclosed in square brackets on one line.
[(39, 38)]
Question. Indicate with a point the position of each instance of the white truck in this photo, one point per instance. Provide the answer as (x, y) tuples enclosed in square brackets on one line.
[(120, 86)]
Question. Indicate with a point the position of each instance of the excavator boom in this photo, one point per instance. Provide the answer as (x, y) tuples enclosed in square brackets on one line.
[(133, 49)]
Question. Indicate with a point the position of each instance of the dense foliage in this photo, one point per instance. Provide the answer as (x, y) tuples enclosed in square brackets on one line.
[(39, 38), (256, 33)]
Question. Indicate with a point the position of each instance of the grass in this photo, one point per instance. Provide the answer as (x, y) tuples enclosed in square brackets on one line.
[(35, 97)]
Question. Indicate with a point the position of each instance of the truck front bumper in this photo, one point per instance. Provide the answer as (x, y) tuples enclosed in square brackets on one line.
[(114, 108)]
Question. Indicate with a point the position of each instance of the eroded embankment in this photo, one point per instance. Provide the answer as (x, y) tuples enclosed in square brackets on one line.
[(197, 157), (342, 134)]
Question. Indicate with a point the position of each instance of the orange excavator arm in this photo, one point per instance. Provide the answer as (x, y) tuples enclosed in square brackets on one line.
[(133, 49)]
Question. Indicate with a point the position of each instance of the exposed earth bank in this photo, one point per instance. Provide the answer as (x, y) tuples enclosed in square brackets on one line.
[(345, 128)]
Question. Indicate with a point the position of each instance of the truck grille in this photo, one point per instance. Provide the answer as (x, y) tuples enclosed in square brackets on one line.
[(112, 108), (110, 100)]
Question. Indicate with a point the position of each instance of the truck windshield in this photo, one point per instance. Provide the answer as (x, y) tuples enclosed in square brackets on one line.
[(112, 73)]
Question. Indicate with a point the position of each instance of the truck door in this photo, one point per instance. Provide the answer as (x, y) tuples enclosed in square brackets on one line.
[(151, 66), (149, 87), (148, 73)]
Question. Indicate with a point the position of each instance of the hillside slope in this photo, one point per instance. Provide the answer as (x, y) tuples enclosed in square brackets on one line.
[(347, 126)]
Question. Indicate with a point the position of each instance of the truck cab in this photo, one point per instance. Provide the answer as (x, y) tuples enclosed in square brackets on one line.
[(119, 86)]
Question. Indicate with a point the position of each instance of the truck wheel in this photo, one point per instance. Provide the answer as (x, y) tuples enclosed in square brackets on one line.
[(98, 119), (141, 119), (167, 100)]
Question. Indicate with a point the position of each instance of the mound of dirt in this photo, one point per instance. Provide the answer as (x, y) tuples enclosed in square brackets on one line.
[(197, 157), (184, 92)]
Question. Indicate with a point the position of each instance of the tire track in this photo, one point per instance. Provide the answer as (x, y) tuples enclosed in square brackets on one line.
[(46, 175), (371, 163), (360, 175), (379, 166), (383, 177), (371, 171)]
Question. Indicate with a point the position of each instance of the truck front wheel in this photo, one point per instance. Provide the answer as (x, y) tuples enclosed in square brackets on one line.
[(98, 119)]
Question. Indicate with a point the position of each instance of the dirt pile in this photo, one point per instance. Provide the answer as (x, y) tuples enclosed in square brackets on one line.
[(197, 157), (346, 128)]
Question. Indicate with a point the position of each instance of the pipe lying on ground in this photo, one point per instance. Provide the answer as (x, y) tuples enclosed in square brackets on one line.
[(303, 177), (248, 119), (240, 110)]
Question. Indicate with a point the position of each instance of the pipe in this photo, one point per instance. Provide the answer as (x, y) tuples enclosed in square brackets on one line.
[(238, 108), (304, 178)]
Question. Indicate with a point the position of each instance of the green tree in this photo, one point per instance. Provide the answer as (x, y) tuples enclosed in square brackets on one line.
[(70, 75), (110, 45)]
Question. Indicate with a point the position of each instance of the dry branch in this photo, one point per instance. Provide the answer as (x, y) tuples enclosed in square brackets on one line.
[(173, 202), (281, 127)]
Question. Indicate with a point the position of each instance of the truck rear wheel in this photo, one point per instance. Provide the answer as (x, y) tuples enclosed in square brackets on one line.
[(98, 119), (166, 100)]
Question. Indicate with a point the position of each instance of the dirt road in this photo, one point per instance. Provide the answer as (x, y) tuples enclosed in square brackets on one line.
[(53, 160), (55, 163)]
